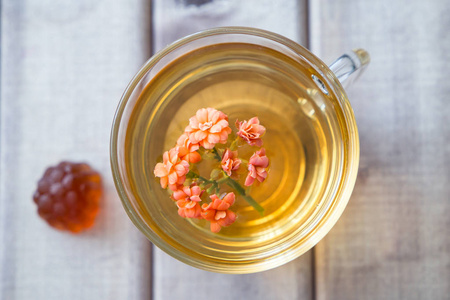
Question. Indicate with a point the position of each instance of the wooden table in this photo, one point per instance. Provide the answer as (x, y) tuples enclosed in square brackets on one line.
[(64, 65)]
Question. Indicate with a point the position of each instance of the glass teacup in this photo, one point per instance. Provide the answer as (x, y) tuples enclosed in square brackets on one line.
[(311, 140)]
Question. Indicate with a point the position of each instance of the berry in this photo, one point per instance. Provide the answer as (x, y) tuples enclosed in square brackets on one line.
[(68, 196)]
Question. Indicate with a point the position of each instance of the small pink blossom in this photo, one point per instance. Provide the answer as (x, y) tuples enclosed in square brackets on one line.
[(192, 155), (257, 167), (217, 212), (208, 127), (230, 161), (251, 131), (173, 169), (188, 199)]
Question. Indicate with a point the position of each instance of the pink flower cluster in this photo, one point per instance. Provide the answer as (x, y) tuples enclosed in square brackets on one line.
[(206, 129), (257, 167), (251, 131)]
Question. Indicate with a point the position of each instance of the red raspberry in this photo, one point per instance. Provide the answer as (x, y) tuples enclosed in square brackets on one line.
[(68, 196)]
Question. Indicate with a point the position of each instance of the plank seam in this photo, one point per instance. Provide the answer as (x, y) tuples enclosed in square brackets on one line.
[(313, 250)]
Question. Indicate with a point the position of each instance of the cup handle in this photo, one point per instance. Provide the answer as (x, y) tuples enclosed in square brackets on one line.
[(350, 66)]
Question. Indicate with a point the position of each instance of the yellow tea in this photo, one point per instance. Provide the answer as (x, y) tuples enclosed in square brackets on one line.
[(242, 80)]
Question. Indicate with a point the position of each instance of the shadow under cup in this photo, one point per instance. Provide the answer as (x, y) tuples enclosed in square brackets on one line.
[(311, 140)]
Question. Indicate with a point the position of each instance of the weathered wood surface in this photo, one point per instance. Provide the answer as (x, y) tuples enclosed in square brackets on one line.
[(393, 240), (172, 279), (64, 66), (63, 69)]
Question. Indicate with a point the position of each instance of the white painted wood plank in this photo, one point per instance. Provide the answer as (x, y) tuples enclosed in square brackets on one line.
[(174, 19), (172, 279), (393, 240), (175, 280), (64, 66)]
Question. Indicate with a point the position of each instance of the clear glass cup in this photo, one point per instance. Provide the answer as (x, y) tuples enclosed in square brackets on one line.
[(135, 150)]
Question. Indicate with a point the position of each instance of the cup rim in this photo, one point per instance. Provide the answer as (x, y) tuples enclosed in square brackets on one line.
[(332, 213)]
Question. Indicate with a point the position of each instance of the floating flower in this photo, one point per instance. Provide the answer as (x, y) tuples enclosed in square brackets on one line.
[(230, 161), (257, 167), (251, 131), (188, 199), (192, 155), (173, 169), (217, 212), (208, 127)]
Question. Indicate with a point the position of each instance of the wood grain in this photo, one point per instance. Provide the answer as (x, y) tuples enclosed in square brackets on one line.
[(393, 240), (174, 19), (172, 279), (64, 66)]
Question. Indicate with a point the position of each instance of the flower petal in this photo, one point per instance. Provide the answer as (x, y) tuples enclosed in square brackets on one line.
[(206, 144), (214, 115), (193, 124), (194, 157), (173, 155), (166, 156), (189, 213), (249, 180), (213, 138), (187, 191), (258, 142), (215, 128), (202, 115), (181, 212), (182, 140), (253, 120), (163, 181), (231, 216), (173, 187), (220, 215), (195, 198), (181, 179), (215, 227), (179, 195), (229, 198), (259, 129), (173, 177), (185, 164), (182, 151), (191, 204), (208, 214), (160, 170), (180, 170), (223, 135), (196, 190), (223, 206), (199, 136), (223, 123), (261, 152), (228, 220)]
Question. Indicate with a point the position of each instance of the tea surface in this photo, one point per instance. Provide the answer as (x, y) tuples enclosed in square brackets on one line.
[(243, 81)]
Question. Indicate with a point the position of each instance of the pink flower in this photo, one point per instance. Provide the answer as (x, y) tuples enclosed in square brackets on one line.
[(230, 162), (188, 199), (217, 212), (251, 131), (192, 155), (208, 127), (257, 167), (173, 169)]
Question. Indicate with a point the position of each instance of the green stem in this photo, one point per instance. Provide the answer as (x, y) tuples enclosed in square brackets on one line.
[(191, 174), (230, 182), (222, 180), (247, 198), (234, 145), (216, 154)]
